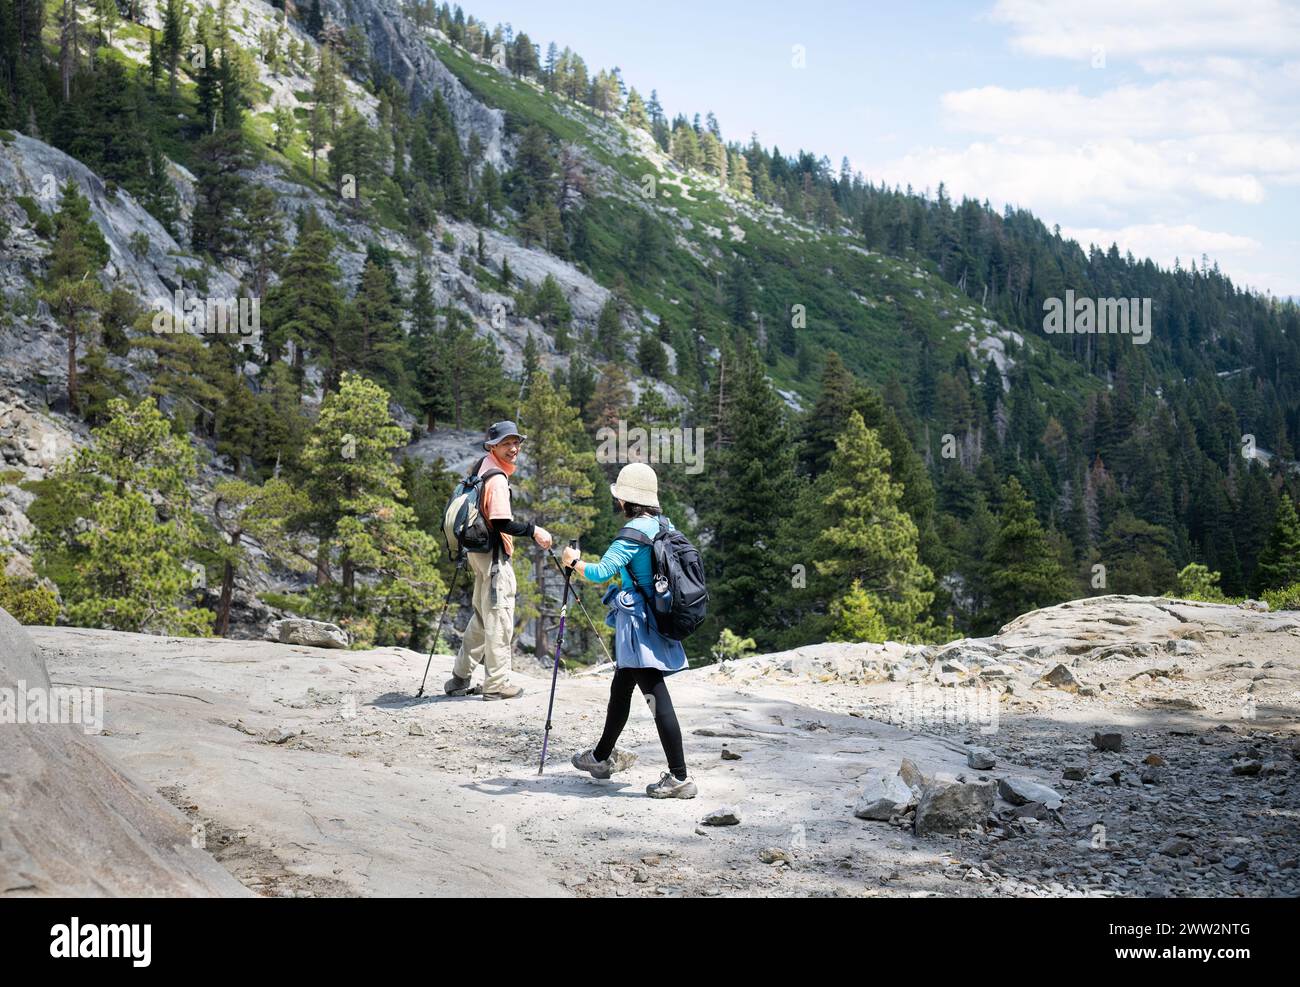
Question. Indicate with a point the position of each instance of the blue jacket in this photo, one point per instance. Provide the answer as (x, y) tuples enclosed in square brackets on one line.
[(637, 641)]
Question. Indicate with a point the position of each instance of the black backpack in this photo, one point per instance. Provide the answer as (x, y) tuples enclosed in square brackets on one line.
[(464, 527), (675, 561)]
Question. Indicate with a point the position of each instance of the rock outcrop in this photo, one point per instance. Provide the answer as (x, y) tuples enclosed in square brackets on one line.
[(72, 822), (399, 48)]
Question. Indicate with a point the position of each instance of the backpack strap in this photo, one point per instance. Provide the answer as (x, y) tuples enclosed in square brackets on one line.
[(493, 534), (639, 538), (634, 535)]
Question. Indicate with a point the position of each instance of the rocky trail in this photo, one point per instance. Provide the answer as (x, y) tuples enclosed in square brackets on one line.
[(310, 772)]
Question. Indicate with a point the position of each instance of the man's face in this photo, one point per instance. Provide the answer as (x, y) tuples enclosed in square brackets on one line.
[(507, 450)]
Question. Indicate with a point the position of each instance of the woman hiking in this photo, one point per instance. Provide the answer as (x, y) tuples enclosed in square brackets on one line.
[(643, 656)]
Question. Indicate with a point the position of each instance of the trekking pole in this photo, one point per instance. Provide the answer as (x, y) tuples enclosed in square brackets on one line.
[(578, 596), (555, 670), (437, 628)]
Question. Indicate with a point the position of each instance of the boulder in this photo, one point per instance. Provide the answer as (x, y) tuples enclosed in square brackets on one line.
[(911, 774), (307, 633), (950, 808), (883, 796), (1022, 791), (73, 822), (1113, 741), (1062, 678), (980, 758)]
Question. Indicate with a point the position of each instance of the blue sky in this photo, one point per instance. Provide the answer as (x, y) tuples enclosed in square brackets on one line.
[(1171, 128)]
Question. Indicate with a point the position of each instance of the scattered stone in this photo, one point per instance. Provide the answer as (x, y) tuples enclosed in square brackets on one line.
[(1074, 773), (278, 735), (1062, 678), (884, 796), (911, 774), (1235, 865), (1273, 768), (415, 729), (726, 816), (774, 855), (1155, 760), (980, 758), (1175, 848), (1113, 741), (1152, 775), (307, 633), (950, 808), (729, 755), (1022, 791), (1248, 768)]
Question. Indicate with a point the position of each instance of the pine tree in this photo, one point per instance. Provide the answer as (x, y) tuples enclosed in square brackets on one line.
[(371, 341), (249, 515), (558, 490), (126, 543), (221, 193), (1136, 556), (71, 287), (173, 40), (752, 481), (1279, 563), (1024, 570), (609, 331), (866, 539), (357, 506), (264, 244), (304, 306)]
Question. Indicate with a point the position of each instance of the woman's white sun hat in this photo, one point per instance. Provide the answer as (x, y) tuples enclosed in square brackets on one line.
[(637, 484)]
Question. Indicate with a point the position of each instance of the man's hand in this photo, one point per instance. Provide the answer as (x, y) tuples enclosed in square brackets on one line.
[(542, 537), (568, 556)]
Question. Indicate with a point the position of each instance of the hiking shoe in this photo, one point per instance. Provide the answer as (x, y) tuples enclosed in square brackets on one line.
[(669, 787), (456, 686), (507, 692), (586, 761)]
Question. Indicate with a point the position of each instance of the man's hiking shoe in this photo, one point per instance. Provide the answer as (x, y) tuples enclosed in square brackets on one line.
[(669, 787), (456, 686), (507, 692), (586, 761)]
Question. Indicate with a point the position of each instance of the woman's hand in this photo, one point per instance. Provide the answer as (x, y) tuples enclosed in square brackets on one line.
[(569, 556), (542, 537)]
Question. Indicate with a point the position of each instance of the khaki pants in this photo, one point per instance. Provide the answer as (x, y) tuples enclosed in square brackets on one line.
[(491, 630)]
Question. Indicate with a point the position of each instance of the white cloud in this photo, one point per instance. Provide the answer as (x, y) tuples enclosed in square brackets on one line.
[(1150, 28), (1162, 242), (1212, 123), (1105, 176)]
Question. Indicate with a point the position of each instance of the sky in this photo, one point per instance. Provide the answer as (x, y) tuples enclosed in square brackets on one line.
[(1172, 129)]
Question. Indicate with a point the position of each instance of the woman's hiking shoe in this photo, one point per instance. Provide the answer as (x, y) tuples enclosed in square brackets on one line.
[(618, 761), (669, 787), (507, 692), (586, 761)]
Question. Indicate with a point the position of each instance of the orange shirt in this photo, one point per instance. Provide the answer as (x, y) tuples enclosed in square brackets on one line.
[(496, 496)]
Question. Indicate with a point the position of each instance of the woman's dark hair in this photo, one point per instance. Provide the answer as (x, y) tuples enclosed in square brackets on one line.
[(636, 510)]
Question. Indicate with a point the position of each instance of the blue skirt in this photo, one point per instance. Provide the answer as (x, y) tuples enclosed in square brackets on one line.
[(637, 641)]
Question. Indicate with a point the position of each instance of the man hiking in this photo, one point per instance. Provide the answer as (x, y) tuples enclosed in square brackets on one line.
[(490, 633)]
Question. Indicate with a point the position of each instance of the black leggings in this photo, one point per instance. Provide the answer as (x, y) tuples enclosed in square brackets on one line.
[(655, 690)]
